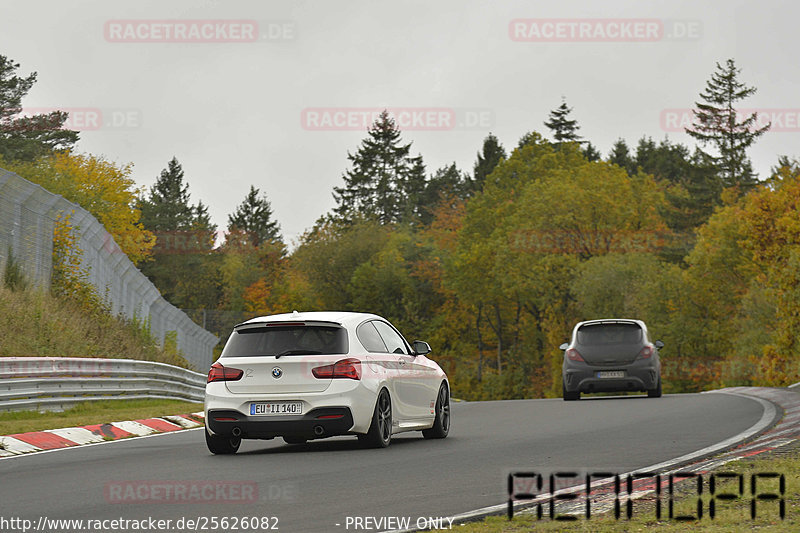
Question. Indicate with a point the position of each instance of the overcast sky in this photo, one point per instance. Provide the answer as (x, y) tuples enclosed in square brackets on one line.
[(281, 103)]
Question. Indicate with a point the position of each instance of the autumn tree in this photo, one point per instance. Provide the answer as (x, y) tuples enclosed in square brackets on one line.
[(28, 137), (521, 243), (444, 186), (103, 188), (716, 123), (772, 234), (252, 276), (255, 273), (330, 255)]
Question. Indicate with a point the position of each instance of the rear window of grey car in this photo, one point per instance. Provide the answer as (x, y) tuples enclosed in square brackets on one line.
[(286, 340), (609, 334)]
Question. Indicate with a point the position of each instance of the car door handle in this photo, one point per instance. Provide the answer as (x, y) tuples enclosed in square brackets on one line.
[(402, 362)]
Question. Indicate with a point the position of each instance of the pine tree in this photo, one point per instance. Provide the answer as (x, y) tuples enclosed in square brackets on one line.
[(384, 181), (620, 155), (27, 138), (204, 230), (591, 153), (183, 267), (253, 217), (715, 123), (167, 207), (786, 170), (413, 187), (564, 129), (665, 161), (491, 154)]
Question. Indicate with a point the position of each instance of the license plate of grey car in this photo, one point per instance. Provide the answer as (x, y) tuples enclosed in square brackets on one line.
[(611, 374)]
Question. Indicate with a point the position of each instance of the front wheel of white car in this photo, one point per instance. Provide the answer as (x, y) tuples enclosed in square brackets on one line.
[(222, 445), (380, 430), (441, 424)]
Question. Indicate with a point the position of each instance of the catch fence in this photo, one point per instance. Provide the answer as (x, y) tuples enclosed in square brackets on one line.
[(28, 215)]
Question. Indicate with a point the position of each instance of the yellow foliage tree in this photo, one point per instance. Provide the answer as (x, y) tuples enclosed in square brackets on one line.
[(771, 217), (70, 280), (103, 188)]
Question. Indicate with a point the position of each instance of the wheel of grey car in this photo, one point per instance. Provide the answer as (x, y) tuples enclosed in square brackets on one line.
[(380, 430), (569, 396), (222, 445), (441, 423), (655, 393), (294, 440)]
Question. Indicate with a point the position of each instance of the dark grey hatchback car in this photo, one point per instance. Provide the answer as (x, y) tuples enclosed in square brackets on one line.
[(611, 355)]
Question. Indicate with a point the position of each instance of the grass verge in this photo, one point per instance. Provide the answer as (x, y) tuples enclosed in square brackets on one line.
[(731, 516), (100, 412), (36, 323)]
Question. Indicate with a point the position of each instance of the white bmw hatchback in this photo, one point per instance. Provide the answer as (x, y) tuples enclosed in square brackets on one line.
[(304, 376)]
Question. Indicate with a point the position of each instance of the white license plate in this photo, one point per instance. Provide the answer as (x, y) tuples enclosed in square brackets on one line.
[(276, 408), (611, 374)]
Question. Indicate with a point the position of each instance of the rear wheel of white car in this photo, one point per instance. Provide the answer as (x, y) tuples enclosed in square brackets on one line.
[(294, 440), (222, 445), (655, 393), (380, 430), (441, 424)]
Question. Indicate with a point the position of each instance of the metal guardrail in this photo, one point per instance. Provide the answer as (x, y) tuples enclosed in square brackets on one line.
[(56, 383)]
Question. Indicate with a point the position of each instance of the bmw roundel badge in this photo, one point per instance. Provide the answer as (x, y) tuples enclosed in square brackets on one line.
[(277, 372)]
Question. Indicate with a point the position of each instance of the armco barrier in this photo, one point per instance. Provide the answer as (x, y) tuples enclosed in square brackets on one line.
[(55, 383), (28, 215)]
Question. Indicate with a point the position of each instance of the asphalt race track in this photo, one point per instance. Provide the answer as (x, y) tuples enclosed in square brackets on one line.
[(324, 485)]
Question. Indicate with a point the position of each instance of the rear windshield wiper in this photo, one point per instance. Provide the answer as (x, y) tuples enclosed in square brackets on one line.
[(297, 352)]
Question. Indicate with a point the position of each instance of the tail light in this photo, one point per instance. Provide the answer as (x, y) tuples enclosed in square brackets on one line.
[(574, 355), (645, 352), (220, 373), (344, 369)]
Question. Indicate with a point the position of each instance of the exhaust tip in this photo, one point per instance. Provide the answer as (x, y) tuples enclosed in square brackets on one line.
[(319, 431), (237, 431)]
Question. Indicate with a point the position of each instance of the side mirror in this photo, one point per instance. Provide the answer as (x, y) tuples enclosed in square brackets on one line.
[(659, 344), (421, 347), (563, 346)]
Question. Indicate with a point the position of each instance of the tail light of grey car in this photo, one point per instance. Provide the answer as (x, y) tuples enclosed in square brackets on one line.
[(646, 352), (574, 355), (221, 373)]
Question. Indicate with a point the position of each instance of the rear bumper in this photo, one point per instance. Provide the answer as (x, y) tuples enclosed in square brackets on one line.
[(638, 377), (317, 423)]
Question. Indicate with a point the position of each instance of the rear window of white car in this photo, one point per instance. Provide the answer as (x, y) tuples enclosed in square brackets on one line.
[(609, 334), (255, 340)]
